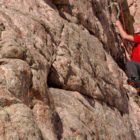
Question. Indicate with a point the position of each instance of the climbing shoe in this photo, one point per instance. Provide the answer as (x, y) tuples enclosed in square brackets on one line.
[(135, 82), (132, 81)]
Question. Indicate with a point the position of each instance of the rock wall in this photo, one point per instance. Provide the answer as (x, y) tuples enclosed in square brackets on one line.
[(59, 77), (134, 6)]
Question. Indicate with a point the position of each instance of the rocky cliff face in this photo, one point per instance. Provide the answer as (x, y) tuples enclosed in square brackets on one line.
[(60, 75), (134, 6)]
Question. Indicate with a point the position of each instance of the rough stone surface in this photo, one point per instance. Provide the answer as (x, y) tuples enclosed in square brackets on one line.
[(84, 118), (134, 6), (60, 75)]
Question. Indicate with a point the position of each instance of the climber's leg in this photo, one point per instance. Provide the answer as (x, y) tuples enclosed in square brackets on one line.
[(138, 67), (133, 71)]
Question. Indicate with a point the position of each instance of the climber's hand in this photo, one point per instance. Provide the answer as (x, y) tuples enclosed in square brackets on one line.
[(118, 23)]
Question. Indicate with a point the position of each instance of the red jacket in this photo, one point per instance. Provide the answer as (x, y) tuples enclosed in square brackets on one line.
[(136, 50)]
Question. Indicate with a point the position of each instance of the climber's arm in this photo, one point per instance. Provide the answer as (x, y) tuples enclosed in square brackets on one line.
[(123, 34)]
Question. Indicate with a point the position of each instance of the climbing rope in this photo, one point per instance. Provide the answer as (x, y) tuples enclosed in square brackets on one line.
[(126, 44), (120, 13)]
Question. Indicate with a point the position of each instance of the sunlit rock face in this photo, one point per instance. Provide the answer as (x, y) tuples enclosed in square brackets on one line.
[(134, 6), (137, 18), (60, 73)]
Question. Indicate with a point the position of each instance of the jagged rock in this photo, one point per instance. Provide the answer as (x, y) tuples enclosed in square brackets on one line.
[(43, 45), (44, 119), (16, 77), (19, 123), (10, 51), (136, 17), (61, 1), (88, 119), (80, 68), (130, 2), (16, 119), (135, 116)]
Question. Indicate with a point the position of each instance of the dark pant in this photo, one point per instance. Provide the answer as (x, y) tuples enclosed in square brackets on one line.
[(133, 69)]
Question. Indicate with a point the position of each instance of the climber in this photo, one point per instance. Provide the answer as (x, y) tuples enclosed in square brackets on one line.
[(133, 66)]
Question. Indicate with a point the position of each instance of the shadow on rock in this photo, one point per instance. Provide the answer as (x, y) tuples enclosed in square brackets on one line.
[(58, 126)]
